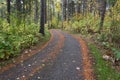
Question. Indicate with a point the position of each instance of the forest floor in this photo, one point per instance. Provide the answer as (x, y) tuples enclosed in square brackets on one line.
[(63, 57)]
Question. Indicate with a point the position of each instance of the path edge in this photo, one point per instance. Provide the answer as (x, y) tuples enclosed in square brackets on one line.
[(88, 71), (7, 67)]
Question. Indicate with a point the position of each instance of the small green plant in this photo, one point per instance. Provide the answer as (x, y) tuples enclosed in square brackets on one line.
[(116, 53)]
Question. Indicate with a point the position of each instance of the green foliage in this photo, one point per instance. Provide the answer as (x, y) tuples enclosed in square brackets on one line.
[(116, 53), (79, 26), (15, 38), (54, 23), (82, 24), (112, 2), (103, 70), (103, 37), (6, 47), (67, 25)]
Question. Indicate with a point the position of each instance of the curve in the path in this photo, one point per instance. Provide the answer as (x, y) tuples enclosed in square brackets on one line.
[(67, 65), (60, 59), (21, 70), (24, 56)]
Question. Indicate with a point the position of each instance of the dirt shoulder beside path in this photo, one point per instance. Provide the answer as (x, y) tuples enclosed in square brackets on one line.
[(87, 63)]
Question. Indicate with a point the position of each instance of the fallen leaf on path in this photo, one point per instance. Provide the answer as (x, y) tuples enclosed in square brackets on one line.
[(43, 65), (78, 68), (38, 77), (73, 61), (18, 78), (23, 76), (29, 65), (26, 51)]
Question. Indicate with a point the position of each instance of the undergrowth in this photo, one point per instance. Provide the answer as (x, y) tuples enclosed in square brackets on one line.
[(103, 70), (14, 38)]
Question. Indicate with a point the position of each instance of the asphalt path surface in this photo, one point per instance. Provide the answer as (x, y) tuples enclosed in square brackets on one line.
[(61, 59)]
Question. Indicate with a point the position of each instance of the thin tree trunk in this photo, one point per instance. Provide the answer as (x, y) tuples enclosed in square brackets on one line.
[(18, 7), (36, 11), (103, 11), (64, 9), (79, 7), (8, 11), (45, 7), (48, 11), (62, 16)]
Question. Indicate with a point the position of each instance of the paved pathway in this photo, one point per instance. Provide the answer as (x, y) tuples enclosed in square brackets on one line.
[(61, 59)]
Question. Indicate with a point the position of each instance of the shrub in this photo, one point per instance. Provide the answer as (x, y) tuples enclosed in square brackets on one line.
[(15, 38)]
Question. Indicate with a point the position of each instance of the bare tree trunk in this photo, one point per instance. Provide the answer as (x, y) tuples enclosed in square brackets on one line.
[(64, 9), (53, 8), (62, 16), (79, 6), (102, 14), (8, 11), (84, 4), (18, 7), (48, 11), (45, 13), (36, 11), (42, 20)]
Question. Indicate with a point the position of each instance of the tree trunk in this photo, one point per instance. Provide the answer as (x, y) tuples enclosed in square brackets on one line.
[(79, 6), (36, 11), (62, 14), (64, 9), (42, 20), (19, 9), (8, 11), (48, 13), (45, 15), (84, 4), (102, 14)]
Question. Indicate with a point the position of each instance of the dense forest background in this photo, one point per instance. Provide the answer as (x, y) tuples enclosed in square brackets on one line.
[(25, 22)]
